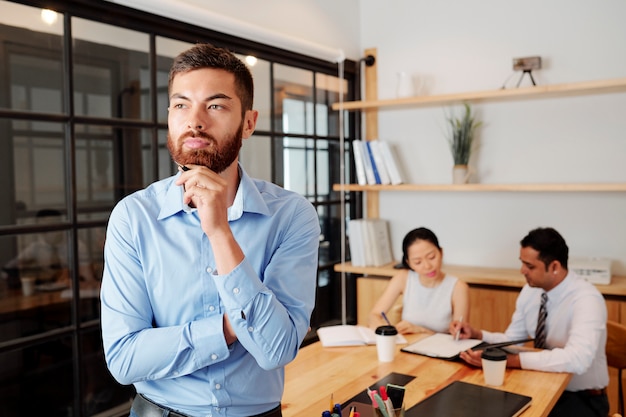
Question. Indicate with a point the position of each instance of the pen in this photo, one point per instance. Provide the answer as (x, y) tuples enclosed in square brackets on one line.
[(331, 402), (382, 408), (388, 404), (184, 168), (458, 332), (352, 410), (382, 313)]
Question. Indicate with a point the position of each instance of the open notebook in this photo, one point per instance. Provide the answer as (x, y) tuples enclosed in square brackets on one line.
[(462, 399), (350, 335), (441, 345)]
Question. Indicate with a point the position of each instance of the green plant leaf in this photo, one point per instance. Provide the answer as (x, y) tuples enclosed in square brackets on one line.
[(461, 135)]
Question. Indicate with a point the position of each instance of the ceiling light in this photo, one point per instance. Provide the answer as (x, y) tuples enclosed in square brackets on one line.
[(251, 60), (49, 16)]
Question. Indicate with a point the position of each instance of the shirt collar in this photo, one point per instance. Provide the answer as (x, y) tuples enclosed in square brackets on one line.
[(248, 198), (558, 292)]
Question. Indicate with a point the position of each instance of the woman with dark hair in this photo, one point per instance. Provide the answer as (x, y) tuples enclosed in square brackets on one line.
[(431, 299)]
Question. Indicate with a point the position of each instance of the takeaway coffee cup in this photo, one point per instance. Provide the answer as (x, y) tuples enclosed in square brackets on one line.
[(28, 285), (494, 366), (386, 343)]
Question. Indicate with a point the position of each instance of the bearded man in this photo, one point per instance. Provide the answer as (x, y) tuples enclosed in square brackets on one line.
[(209, 279)]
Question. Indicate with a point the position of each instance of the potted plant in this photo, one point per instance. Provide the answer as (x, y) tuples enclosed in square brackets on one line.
[(461, 139)]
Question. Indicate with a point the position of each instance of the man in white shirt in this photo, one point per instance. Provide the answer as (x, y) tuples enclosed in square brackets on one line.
[(575, 326)]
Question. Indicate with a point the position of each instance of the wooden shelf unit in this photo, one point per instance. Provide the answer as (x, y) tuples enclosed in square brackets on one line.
[(540, 91), (493, 291), (474, 275), (565, 187)]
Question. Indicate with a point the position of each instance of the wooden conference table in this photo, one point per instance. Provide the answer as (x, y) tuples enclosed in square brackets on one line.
[(317, 372)]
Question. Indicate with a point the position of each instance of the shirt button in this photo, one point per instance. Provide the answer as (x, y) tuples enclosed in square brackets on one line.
[(251, 329), (211, 308), (235, 290), (218, 386), (214, 356), (209, 269)]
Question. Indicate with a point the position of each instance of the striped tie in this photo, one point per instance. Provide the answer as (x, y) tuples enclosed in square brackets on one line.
[(540, 333)]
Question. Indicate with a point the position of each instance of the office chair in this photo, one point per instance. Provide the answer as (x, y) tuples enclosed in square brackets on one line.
[(616, 355)]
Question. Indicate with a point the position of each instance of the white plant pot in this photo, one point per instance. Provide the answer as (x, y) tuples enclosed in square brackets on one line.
[(460, 174)]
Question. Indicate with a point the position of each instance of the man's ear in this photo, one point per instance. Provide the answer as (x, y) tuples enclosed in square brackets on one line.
[(249, 123), (555, 267)]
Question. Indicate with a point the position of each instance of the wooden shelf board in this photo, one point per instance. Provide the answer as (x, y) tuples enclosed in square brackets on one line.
[(473, 275), (539, 91), (573, 187)]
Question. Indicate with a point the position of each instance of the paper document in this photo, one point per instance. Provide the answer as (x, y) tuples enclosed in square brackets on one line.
[(350, 335), (441, 345)]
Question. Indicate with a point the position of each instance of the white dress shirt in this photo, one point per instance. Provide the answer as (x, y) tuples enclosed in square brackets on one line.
[(576, 332)]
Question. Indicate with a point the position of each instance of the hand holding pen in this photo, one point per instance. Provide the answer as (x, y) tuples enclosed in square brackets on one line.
[(209, 193), (457, 329), (382, 313), (464, 331)]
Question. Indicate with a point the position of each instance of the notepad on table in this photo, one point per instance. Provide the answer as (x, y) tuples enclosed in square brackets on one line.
[(350, 335), (441, 345)]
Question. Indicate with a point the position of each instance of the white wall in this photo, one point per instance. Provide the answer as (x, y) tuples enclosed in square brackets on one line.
[(327, 23), (458, 46), (330, 23)]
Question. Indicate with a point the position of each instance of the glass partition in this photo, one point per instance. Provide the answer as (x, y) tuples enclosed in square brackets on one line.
[(77, 139), (111, 71)]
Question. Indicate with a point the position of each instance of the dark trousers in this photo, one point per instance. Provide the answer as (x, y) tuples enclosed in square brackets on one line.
[(581, 404)]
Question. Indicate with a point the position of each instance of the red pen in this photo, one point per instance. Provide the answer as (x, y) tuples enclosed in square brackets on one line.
[(388, 404), (383, 393)]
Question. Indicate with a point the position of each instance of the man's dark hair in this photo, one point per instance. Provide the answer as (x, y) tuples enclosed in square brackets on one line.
[(421, 233), (549, 243), (204, 55)]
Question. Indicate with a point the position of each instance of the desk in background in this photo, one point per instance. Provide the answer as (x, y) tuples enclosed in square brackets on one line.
[(344, 372)]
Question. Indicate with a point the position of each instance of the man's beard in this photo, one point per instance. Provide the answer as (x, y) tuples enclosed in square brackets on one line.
[(216, 158)]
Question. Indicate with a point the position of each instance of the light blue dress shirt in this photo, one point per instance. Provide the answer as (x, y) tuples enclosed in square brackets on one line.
[(163, 300)]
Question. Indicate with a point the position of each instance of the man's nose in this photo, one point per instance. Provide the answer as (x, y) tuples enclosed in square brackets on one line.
[(196, 121)]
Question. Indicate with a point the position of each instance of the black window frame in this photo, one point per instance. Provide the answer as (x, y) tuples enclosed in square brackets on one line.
[(158, 26)]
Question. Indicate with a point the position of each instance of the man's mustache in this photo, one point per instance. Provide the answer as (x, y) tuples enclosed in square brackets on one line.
[(197, 134)]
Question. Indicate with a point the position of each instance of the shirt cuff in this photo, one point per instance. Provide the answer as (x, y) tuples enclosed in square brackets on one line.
[(239, 286)]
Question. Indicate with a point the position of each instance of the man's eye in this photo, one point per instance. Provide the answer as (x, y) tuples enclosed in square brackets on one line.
[(179, 106), (214, 106)]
